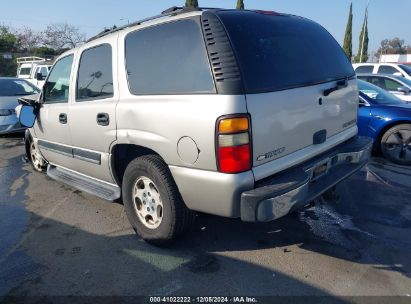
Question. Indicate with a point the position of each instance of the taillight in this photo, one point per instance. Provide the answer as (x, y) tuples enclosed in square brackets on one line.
[(233, 144)]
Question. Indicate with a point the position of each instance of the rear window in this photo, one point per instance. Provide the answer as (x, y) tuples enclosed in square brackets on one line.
[(277, 52), (364, 69), (25, 71)]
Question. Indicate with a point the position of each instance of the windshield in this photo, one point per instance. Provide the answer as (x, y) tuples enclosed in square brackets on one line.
[(406, 68), (283, 52), (406, 81), (17, 87), (376, 94)]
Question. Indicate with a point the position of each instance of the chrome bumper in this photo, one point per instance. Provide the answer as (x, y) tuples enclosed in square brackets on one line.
[(278, 195)]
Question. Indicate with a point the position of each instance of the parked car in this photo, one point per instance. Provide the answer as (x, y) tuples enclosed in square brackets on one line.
[(10, 90), (397, 85), (33, 69), (201, 110), (396, 69), (387, 119)]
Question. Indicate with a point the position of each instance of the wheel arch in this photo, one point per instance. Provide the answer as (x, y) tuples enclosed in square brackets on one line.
[(123, 154)]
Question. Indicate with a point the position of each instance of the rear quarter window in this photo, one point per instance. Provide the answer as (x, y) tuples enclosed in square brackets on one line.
[(168, 59), (277, 52)]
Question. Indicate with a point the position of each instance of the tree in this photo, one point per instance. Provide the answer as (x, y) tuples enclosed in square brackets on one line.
[(191, 3), (348, 36), (393, 46), (362, 55), (27, 39), (8, 41), (240, 4), (62, 35), (44, 51)]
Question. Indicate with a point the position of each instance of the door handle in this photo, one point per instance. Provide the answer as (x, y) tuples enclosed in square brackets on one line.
[(63, 118), (103, 119)]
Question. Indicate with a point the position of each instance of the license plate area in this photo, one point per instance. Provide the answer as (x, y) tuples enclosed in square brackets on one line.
[(320, 170)]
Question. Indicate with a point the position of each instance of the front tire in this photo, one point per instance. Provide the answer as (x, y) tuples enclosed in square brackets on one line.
[(153, 204), (36, 159), (396, 144)]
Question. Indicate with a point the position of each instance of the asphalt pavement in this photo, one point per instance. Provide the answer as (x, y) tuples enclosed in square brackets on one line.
[(59, 241)]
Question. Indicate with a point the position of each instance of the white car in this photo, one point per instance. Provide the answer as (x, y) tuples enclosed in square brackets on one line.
[(396, 69), (399, 86)]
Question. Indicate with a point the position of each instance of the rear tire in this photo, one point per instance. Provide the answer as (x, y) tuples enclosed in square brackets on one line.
[(396, 144), (153, 204)]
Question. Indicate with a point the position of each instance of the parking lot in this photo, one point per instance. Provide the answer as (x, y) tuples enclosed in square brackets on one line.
[(56, 240)]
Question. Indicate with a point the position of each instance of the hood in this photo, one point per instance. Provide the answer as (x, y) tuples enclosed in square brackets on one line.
[(11, 102)]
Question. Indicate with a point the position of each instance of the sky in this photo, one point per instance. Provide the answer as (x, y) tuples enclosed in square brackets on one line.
[(387, 18)]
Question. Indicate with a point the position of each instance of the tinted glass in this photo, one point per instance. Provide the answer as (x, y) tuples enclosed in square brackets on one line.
[(168, 59), (376, 94), (391, 85), (280, 52), (95, 75), (377, 81), (364, 69), (386, 69), (17, 87), (56, 89), (44, 71), (25, 71), (406, 81), (406, 68)]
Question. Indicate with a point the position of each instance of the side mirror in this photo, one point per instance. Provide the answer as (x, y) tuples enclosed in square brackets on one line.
[(398, 74), (403, 89), (26, 116), (39, 76)]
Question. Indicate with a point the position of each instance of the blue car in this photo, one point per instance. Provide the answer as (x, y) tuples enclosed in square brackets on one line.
[(387, 119)]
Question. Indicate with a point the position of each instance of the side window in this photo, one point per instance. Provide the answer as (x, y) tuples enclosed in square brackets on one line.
[(376, 81), (168, 59), (386, 69), (44, 71), (364, 69), (391, 85), (56, 89), (95, 74)]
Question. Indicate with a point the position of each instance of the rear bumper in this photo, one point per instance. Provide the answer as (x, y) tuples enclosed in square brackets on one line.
[(280, 194)]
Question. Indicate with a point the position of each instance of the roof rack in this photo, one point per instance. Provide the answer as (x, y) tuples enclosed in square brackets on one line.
[(174, 10), (30, 59)]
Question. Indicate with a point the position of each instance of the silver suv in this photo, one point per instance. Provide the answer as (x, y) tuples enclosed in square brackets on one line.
[(247, 114)]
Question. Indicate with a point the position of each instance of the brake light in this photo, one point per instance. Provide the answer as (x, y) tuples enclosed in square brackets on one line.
[(233, 144)]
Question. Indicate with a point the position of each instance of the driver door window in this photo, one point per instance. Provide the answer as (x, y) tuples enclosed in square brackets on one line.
[(56, 89)]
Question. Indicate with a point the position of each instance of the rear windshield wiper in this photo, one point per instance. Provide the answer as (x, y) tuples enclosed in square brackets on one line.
[(341, 84)]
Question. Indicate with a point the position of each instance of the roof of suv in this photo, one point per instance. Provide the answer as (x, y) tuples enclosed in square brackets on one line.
[(169, 13)]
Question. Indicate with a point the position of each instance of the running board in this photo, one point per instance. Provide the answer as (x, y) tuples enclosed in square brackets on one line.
[(81, 182)]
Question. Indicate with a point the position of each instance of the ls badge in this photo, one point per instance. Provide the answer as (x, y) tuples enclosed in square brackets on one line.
[(271, 154)]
